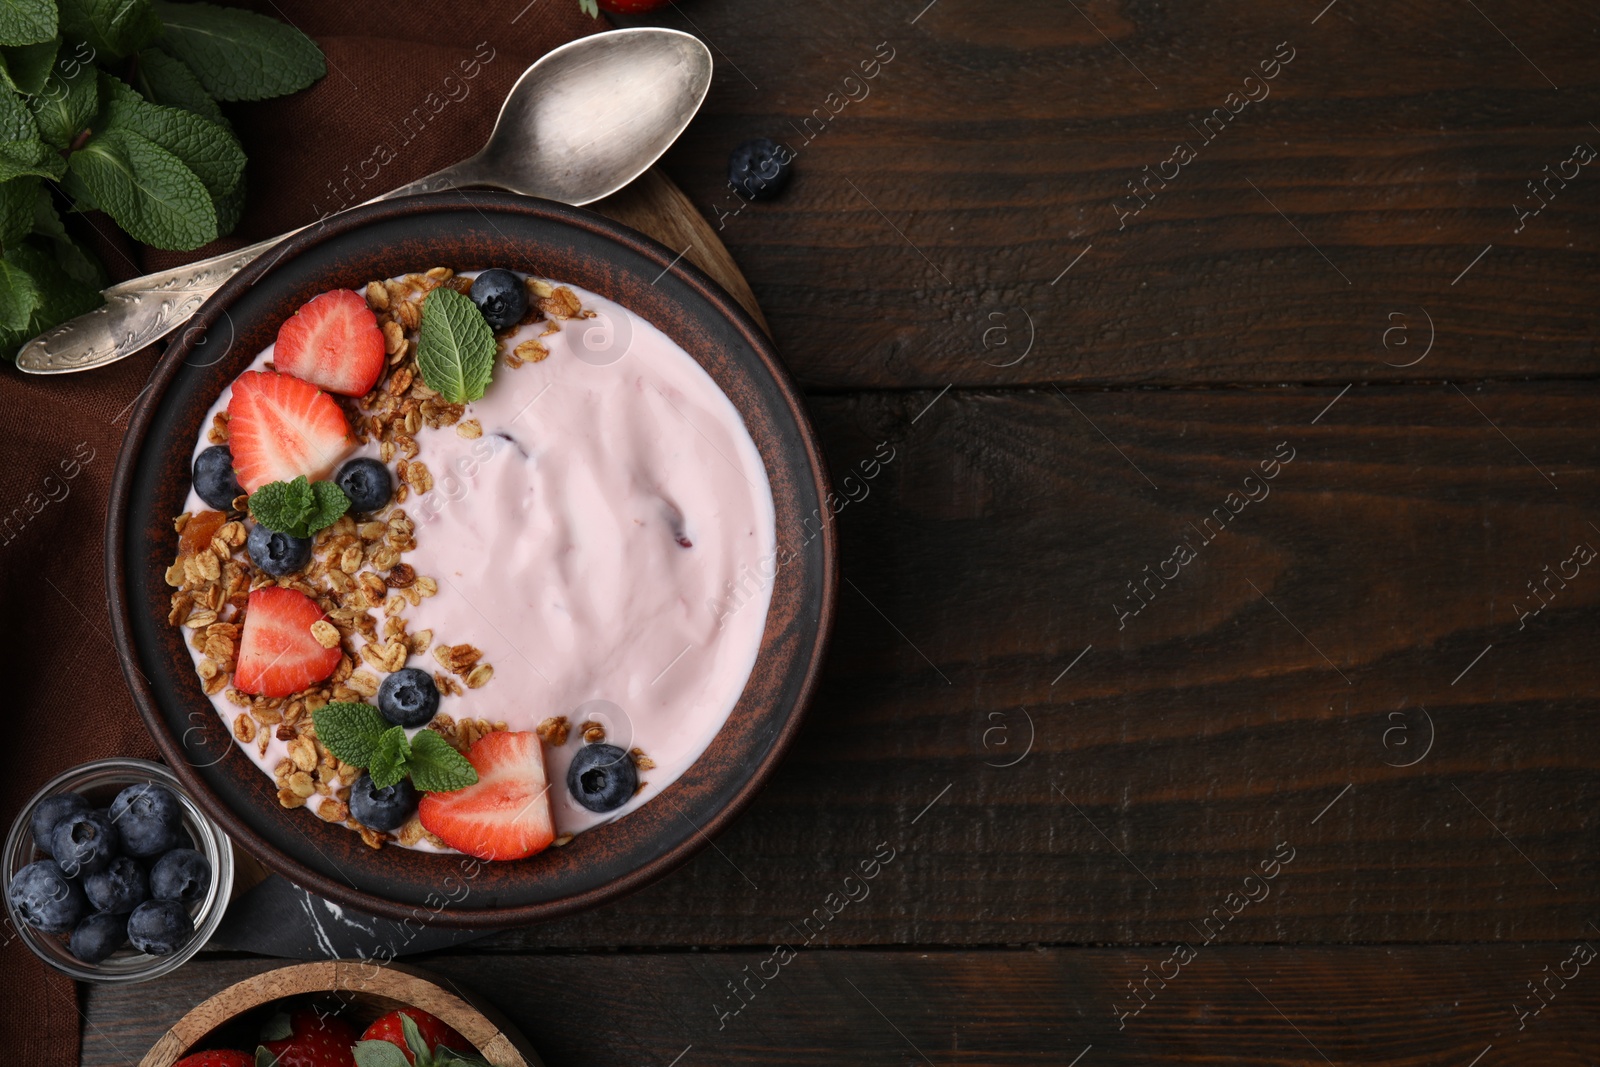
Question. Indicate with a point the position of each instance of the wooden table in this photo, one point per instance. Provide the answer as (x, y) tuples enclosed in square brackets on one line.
[(1333, 355)]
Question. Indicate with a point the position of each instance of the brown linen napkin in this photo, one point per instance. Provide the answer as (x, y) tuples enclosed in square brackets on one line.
[(411, 87)]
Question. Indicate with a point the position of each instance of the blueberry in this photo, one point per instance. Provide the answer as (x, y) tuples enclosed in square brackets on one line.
[(366, 482), (149, 819), (160, 927), (50, 811), (214, 479), (501, 298), (84, 843), (601, 777), (408, 697), (46, 899), (119, 888), (182, 875), (760, 167), (278, 553), (98, 936), (382, 809)]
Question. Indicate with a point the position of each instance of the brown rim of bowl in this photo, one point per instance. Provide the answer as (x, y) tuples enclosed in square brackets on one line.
[(173, 359)]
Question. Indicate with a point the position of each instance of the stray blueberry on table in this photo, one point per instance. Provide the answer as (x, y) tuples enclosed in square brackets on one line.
[(501, 297), (760, 168), (382, 809), (84, 842), (50, 811), (367, 483), (602, 777), (119, 888), (149, 819), (98, 936), (182, 875), (278, 553), (46, 899), (408, 697), (214, 479), (160, 927)]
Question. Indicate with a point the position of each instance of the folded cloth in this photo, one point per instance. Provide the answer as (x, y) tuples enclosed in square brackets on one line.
[(411, 87)]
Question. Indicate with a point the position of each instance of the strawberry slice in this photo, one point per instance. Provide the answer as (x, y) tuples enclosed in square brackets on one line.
[(277, 653), (281, 427), (505, 815), (333, 341)]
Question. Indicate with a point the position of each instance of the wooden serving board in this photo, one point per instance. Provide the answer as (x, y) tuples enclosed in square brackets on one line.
[(654, 205)]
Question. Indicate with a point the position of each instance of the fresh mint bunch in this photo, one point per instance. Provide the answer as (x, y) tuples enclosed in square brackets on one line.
[(112, 104), (298, 508), (359, 735)]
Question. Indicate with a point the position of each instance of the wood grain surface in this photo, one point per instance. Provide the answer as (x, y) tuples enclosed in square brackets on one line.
[(1398, 1006)]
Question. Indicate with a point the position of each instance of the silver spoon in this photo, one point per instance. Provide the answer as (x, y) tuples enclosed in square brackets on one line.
[(582, 122)]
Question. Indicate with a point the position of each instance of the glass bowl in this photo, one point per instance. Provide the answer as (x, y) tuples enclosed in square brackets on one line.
[(99, 783)]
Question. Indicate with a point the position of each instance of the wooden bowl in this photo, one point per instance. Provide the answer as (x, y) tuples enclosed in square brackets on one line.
[(365, 990), (468, 230)]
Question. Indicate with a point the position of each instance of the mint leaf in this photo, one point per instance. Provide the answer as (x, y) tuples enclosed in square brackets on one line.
[(60, 296), (18, 296), (79, 265), (113, 28), (379, 1054), (146, 189), (239, 55), (298, 508), (388, 763), (207, 149), (27, 21), (350, 731), (436, 767), (16, 124), (65, 105), (455, 347), (17, 199), (27, 66), (166, 80), (29, 157), (229, 207)]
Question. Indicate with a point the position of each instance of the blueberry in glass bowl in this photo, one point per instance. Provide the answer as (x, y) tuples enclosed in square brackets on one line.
[(78, 915)]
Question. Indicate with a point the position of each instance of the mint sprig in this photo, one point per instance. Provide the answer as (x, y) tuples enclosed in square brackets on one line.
[(298, 508), (455, 347), (359, 735), (239, 55)]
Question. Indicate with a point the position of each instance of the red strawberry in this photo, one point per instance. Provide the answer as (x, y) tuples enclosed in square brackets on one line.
[(506, 814), (632, 7), (280, 428), (277, 653), (333, 341), (217, 1058), (316, 1040), (435, 1033)]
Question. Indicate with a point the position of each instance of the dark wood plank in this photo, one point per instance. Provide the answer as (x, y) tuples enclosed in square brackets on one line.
[(991, 151), (1181, 749), (1402, 1006)]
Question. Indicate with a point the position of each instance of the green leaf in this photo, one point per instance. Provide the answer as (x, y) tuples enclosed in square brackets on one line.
[(66, 104), (166, 80), (350, 731), (277, 1027), (590, 8), (113, 28), (388, 764), (27, 21), (436, 767), (455, 347), (16, 122), (146, 189), (17, 198), (265, 1057), (18, 158), (229, 207), (413, 1037), (239, 55), (78, 264), (298, 508), (60, 296), (27, 66), (18, 296), (379, 1054), (210, 150)]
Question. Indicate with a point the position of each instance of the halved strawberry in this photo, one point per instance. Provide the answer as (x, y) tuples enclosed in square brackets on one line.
[(281, 427), (506, 814), (277, 653), (333, 341), (434, 1033)]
